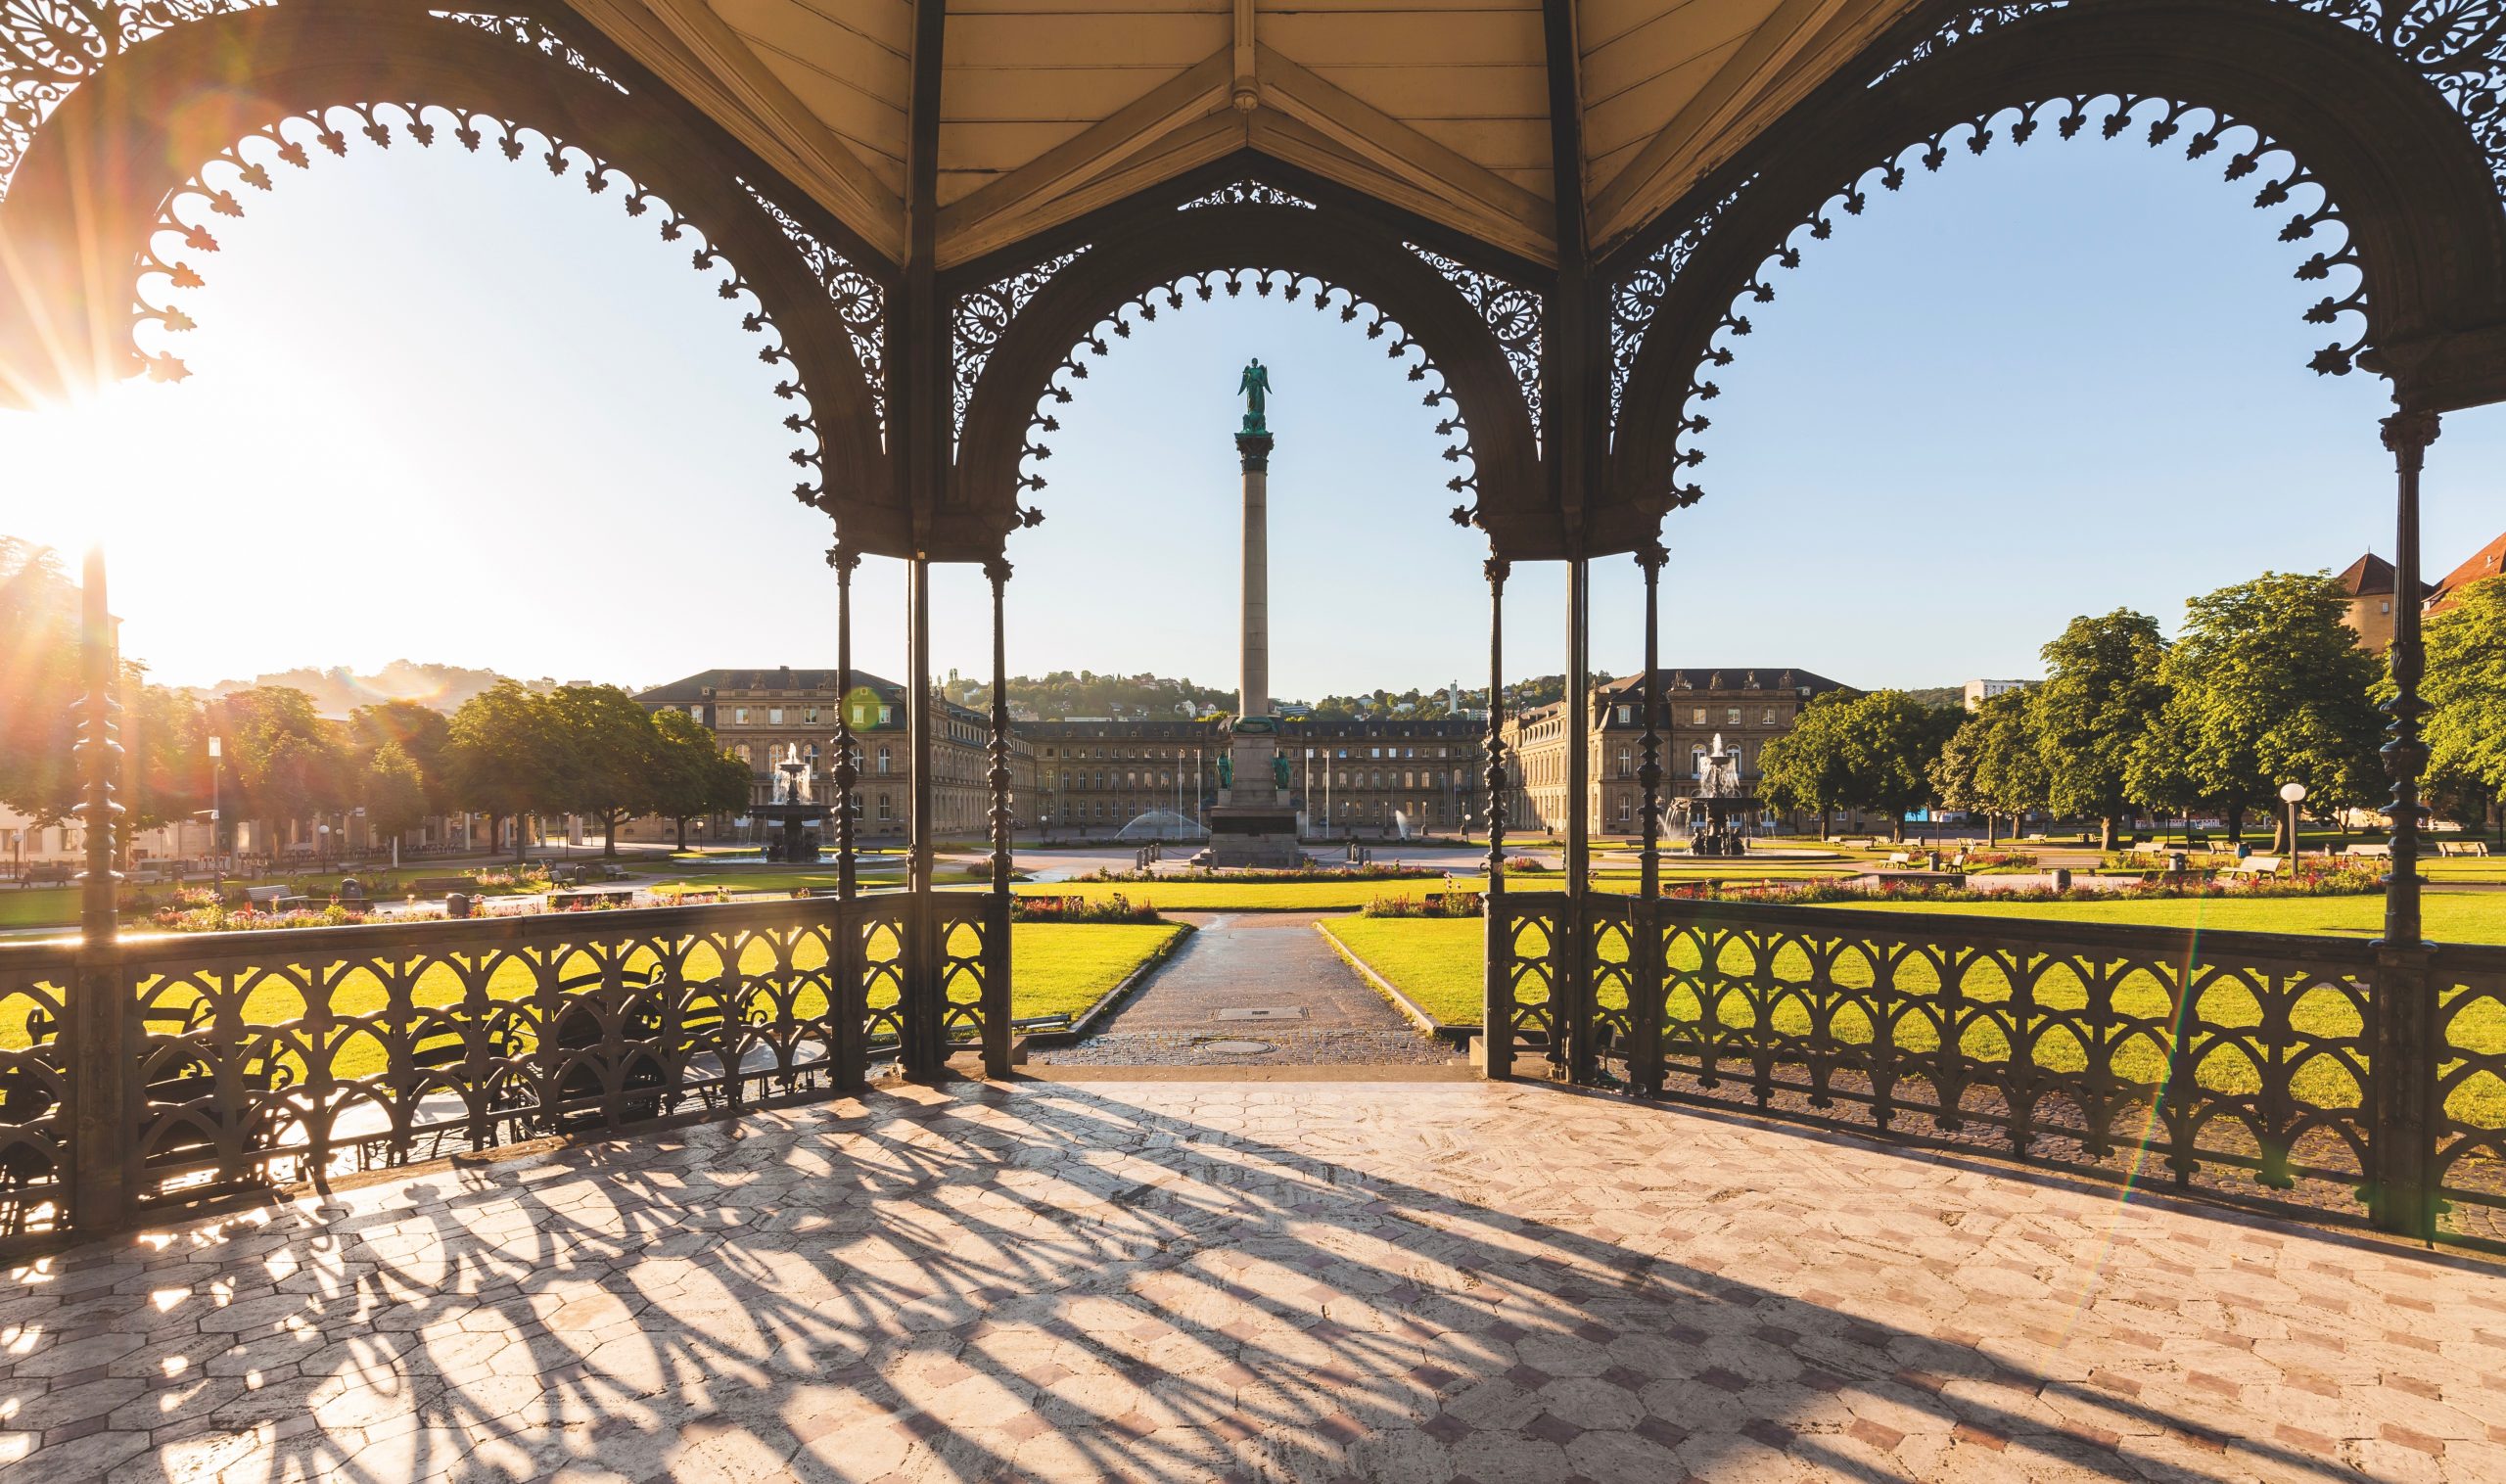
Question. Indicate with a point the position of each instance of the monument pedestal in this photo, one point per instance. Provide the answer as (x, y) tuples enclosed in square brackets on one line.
[(1253, 827)]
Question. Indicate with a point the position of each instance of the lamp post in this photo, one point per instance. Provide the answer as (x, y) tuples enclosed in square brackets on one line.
[(217, 771), (2290, 794)]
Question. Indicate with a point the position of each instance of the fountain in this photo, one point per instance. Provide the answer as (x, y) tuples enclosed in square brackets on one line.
[(797, 814), (1718, 808)]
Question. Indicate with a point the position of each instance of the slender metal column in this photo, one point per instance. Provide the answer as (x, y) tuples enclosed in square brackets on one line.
[(1497, 994), (923, 1053), (1648, 941), (2403, 1194), (998, 966), (1572, 993), (848, 768), (100, 1053)]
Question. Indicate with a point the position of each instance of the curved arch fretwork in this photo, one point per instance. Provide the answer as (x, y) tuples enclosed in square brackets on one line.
[(351, 75), (2381, 185), (1040, 330)]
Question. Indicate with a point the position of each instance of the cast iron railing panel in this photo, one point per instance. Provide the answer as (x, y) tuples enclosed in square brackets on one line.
[(2469, 1095), (1534, 922), (35, 1085)]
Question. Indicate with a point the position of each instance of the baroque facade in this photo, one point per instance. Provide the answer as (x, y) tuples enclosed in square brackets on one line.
[(760, 716), (1746, 707), (1347, 777)]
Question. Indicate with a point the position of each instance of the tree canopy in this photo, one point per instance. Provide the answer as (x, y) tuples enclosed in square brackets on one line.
[(2104, 691), (2466, 692)]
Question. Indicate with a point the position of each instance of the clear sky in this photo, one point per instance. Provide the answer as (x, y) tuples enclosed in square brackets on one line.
[(447, 409)]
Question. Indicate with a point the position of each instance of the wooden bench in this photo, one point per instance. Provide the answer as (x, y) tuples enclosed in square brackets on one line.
[(1901, 857), (2383, 851), (2255, 867), (273, 899), (439, 886), (2460, 846)]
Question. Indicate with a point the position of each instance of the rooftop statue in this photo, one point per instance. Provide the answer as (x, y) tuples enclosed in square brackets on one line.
[(1255, 383)]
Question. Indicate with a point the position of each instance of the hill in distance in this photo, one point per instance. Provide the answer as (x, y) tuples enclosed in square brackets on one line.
[(339, 690)]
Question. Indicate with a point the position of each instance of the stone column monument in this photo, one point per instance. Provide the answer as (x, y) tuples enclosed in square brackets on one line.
[(1254, 824)]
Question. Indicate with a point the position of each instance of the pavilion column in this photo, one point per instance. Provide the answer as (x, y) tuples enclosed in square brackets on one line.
[(1570, 994), (923, 1053), (1497, 998), (2403, 1178), (848, 768), (101, 1173), (997, 964), (1646, 939)]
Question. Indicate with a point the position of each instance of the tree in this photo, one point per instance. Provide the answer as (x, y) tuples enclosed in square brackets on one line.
[(502, 755), (1990, 765), (2103, 692), (608, 756), (2466, 694), (394, 791), (693, 775), (1810, 767), (419, 730), (38, 682), (1893, 742), (2268, 686), (286, 764)]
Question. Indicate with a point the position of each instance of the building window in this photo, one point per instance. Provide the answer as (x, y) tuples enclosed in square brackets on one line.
[(1627, 716), (1626, 809), (774, 716), (1731, 715), (1626, 763), (739, 714), (1768, 717), (885, 759), (1696, 716), (885, 812)]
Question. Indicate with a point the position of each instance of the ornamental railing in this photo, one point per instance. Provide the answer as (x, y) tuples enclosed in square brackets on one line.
[(2270, 1069), (250, 1059)]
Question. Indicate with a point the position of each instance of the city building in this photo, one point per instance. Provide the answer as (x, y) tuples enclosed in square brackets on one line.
[(2487, 562), (1746, 707), (763, 716), (1347, 776), (1977, 693), (2368, 583)]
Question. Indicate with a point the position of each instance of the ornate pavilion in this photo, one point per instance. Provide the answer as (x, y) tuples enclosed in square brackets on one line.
[(1557, 217)]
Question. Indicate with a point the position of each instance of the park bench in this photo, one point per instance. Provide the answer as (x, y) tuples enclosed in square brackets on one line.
[(439, 886), (2383, 851), (274, 899), (1901, 857), (46, 873), (2462, 847), (2255, 867)]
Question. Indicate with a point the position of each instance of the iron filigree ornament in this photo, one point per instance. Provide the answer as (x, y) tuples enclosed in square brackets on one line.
[(861, 304), (1292, 288), (1511, 313), (981, 317), (2286, 183), (1247, 193), (294, 142), (1634, 300), (49, 47), (535, 34)]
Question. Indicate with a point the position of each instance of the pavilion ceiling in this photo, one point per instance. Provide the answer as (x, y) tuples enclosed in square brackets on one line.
[(1051, 107)]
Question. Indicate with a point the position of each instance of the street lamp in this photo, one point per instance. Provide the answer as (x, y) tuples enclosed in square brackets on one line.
[(2291, 793), (217, 771)]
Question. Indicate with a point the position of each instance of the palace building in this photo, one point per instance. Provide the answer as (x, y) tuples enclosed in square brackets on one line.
[(1347, 776), (1746, 707), (760, 716)]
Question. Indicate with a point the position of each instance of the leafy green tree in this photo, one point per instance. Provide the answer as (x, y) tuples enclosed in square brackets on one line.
[(608, 756), (2267, 685), (285, 765), (394, 791), (1990, 765), (2104, 691), (165, 750), (38, 682), (1810, 768), (1892, 741), (502, 756), (2466, 693), (419, 730), (693, 775)]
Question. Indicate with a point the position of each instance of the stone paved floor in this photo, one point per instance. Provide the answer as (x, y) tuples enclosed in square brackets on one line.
[(1257, 961), (1193, 1280)]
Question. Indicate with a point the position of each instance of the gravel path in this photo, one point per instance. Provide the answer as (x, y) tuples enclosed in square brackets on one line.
[(1254, 988)]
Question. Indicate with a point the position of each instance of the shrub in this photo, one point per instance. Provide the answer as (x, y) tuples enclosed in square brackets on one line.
[(1114, 908), (1432, 905)]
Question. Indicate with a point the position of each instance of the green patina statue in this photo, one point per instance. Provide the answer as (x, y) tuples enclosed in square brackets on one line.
[(1280, 770), (1226, 771), (1255, 383)]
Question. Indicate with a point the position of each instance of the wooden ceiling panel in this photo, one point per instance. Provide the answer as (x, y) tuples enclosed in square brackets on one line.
[(1636, 113), (845, 68)]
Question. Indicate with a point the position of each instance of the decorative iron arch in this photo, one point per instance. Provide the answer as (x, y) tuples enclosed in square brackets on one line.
[(2236, 79), (164, 139), (1038, 329)]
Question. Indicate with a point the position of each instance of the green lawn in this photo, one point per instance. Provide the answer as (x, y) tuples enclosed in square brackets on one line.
[(1057, 968), (1438, 964), (38, 906)]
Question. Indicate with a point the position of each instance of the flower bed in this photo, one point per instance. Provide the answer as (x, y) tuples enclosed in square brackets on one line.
[(1117, 907), (2337, 882), (1263, 877)]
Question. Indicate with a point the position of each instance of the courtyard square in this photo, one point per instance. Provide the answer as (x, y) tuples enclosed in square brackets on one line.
[(1179, 1281)]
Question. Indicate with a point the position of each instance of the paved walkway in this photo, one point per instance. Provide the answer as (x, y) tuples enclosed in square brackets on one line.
[(1185, 1281), (1254, 988)]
